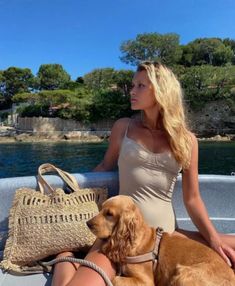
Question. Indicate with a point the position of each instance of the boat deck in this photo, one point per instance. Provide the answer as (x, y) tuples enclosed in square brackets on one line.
[(218, 193)]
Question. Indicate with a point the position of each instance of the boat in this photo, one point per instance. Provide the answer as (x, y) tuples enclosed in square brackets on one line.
[(218, 193)]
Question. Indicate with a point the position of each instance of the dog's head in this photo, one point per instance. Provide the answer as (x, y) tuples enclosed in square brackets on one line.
[(117, 224)]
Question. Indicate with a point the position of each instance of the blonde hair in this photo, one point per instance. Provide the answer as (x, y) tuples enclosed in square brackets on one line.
[(169, 96)]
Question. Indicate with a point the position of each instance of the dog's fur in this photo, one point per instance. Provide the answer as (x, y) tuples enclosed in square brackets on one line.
[(121, 227)]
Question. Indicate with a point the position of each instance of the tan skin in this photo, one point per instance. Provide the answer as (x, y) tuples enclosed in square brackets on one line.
[(142, 98)]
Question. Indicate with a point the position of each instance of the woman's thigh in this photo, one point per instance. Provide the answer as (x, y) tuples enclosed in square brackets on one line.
[(228, 239), (195, 235)]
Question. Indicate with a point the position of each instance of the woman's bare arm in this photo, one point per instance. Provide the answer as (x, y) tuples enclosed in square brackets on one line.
[(196, 207), (115, 140)]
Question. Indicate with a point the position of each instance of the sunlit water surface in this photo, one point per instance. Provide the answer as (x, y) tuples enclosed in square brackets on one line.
[(23, 159)]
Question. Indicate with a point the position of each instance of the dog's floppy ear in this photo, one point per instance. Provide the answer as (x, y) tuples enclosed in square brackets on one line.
[(124, 234)]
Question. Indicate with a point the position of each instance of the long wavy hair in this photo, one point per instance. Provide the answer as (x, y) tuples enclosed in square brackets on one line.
[(169, 96)]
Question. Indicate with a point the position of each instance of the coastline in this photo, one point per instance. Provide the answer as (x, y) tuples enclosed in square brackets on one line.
[(10, 135), (26, 138), (40, 139)]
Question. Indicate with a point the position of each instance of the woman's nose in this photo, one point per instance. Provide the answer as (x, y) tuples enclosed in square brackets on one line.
[(132, 92)]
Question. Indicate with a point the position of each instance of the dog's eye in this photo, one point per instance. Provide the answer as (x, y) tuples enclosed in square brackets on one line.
[(109, 214)]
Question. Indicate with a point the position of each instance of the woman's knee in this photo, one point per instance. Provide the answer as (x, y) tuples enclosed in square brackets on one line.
[(102, 261), (97, 257), (228, 239), (86, 276)]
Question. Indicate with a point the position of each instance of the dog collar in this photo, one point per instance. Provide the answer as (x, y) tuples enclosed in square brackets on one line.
[(149, 256)]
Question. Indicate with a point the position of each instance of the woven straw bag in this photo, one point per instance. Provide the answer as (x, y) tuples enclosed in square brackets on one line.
[(43, 224)]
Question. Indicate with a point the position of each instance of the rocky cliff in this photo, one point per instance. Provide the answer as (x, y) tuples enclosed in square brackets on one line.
[(215, 118)]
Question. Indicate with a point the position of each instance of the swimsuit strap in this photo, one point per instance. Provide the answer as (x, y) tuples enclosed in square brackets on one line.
[(127, 127)]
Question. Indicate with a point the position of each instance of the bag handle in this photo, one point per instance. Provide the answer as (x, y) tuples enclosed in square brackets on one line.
[(67, 178)]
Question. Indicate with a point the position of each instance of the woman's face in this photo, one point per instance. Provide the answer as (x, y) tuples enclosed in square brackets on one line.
[(142, 93)]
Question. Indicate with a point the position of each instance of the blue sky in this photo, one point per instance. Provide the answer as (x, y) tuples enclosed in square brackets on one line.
[(86, 34)]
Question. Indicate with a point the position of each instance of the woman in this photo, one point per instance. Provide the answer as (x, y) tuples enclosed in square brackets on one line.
[(150, 152)]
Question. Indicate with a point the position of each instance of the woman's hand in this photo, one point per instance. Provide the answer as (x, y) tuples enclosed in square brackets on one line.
[(225, 251)]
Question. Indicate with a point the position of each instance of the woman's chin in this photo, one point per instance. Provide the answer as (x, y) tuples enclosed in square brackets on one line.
[(134, 107)]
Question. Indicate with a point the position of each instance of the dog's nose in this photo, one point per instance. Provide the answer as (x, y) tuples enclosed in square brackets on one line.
[(89, 224)]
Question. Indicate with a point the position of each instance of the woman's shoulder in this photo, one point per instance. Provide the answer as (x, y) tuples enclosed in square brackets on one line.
[(118, 131), (121, 124)]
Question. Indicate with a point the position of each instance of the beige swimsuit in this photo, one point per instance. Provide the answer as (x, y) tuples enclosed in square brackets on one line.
[(149, 178)]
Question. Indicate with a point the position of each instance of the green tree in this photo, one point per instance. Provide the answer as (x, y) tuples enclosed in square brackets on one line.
[(100, 79), (26, 97), (17, 80), (52, 76), (187, 58), (2, 102), (123, 81), (222, 55), (195, 83), (207, 83), (79, 79), (73, 85), (179, 70), (210, 51), (67, 104), (2, 82), (81, 106), (231, 44), (152, 47), (110, 104), (2, 90)]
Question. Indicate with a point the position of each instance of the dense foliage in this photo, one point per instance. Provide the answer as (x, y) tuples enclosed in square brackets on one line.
[(15, 80), (207, 51), (52, 76), (67, 104), (205, 83), (205, 68), (152, 47)]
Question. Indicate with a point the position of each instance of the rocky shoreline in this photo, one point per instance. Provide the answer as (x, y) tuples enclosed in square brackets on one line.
[(230, 137), (39, 138), (10, 135)]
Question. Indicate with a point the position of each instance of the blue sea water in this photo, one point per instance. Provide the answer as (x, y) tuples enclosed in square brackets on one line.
[(23, 159)]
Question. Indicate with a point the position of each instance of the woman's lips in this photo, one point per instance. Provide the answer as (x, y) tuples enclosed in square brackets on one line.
[(133, 100)]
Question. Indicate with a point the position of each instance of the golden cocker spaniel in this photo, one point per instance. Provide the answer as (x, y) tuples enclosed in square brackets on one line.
[(181, 261)]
